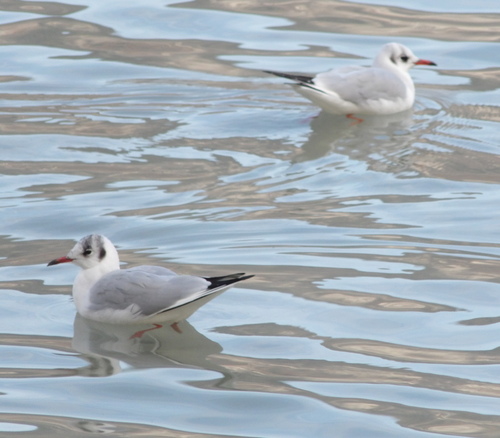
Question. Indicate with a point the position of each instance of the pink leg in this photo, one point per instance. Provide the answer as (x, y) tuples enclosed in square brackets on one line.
[(176, 327), (141, 332), (356, 119)]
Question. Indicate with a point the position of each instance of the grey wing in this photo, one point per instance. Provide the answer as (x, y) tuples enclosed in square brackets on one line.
[(147, 292), (362, 84), (157, 270)]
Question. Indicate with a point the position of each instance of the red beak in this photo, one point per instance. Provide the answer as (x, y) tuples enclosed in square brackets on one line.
[(60, 260), (424, 62)]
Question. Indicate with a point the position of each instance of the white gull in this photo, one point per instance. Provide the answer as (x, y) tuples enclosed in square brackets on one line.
[(143, 294), (384, 88)]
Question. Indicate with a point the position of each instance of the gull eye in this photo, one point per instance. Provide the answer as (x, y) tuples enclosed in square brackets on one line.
[(87, 252), (405, 58)]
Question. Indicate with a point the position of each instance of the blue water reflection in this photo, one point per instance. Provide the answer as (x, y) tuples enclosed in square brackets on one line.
[(373, 310)]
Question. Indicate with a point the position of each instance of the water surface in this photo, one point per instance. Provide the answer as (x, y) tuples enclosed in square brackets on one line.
[(374, 307)]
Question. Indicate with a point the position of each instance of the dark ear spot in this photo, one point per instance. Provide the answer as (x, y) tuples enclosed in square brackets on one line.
[(393, 59), (102, 253), (87, 248)]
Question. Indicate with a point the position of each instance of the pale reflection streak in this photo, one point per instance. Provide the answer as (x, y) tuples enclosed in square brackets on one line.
[(65, 426), (405, 353), (70, 123), (61, 32), (487, 79), (40, 7), (394, 352), (362, 19)]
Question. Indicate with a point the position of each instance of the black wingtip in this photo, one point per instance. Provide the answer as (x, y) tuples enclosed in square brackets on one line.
[(299, 78), (227, 280)]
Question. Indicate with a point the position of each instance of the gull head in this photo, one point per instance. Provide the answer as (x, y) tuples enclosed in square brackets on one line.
[(395, 54), (91, 251)]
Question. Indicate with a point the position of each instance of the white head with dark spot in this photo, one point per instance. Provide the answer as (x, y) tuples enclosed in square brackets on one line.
[(399, 56), (92, 251)]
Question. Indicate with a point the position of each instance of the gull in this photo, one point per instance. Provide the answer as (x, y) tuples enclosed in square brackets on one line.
[(144, 294), (384, 88)]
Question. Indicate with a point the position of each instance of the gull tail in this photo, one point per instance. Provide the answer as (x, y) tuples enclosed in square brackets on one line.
[(217, 285)]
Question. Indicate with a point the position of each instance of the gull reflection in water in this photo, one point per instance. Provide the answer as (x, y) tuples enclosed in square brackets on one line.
[(330, 133), (108, 347)]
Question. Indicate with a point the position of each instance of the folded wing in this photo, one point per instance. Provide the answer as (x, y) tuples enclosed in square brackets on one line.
[(152, 290)]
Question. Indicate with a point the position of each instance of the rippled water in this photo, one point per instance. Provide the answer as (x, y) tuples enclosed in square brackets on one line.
[(374, 307)]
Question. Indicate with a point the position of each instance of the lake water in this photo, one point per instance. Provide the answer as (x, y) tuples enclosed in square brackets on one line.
[(374, 310)]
